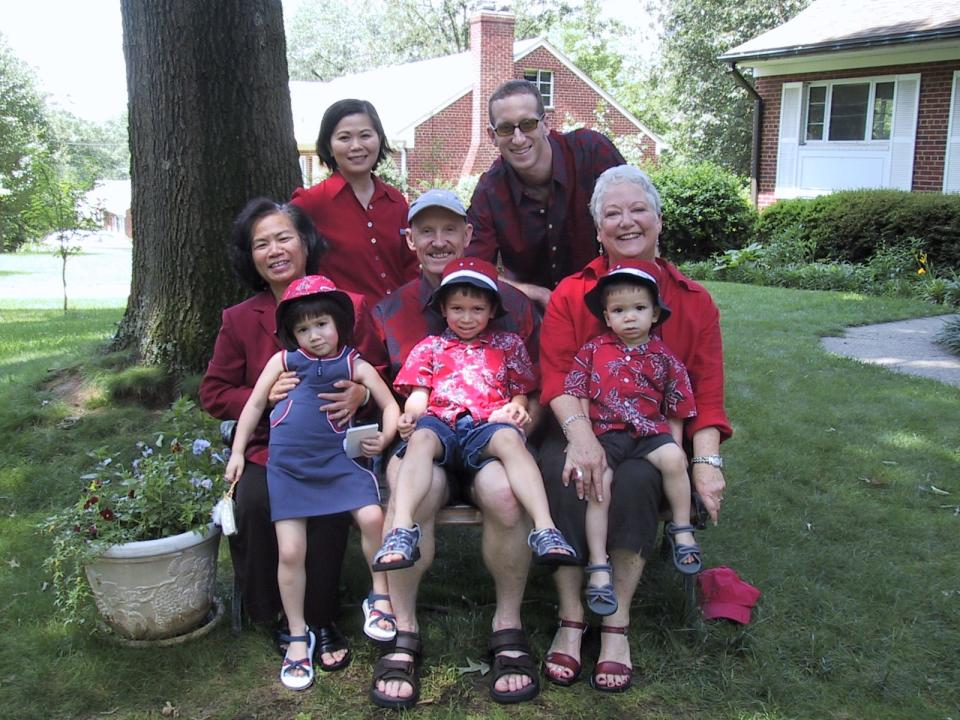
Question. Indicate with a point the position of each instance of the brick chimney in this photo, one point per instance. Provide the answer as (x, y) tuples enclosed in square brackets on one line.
[(491, 50)]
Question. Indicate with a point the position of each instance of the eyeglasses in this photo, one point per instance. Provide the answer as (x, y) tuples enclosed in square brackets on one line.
[(527, 125)]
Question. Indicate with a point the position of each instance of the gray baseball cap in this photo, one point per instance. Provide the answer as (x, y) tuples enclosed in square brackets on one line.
[(446, 199)]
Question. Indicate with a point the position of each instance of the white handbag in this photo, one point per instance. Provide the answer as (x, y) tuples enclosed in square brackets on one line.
[(223, 512)]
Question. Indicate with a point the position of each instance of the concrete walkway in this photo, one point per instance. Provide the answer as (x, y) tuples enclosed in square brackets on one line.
[(905, 346)]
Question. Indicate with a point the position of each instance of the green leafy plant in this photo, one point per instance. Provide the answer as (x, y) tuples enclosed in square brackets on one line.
[(169, 486), (949, 337)]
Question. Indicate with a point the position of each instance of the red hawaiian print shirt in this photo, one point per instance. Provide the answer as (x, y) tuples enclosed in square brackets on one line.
[(542, 243), (633, 389), (476, 378)]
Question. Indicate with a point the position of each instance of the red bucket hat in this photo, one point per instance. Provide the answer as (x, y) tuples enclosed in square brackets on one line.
[(305, 287), (469, 271), (724, 595), (639, 272)]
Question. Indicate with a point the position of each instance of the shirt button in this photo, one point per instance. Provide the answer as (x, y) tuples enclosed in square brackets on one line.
[(383, 275), (624, 380), (388, 292), (553, 248), (369, 224), (370, 206), (542, 211), (550, 226), (373, 240), (626, 357)]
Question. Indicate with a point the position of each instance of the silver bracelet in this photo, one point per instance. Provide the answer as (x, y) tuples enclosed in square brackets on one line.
[(566, 423), (366, 399)]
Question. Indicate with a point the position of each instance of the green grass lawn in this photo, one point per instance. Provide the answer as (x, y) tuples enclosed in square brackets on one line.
[(828, 511)]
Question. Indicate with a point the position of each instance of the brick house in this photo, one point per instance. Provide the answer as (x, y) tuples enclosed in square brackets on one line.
[(434, 111), (857, 95)]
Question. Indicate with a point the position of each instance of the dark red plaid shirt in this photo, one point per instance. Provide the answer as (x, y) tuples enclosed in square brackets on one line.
[(402, 319), (542, 243)]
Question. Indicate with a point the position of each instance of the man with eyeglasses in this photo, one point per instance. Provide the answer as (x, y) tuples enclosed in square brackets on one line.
[(532, 206)]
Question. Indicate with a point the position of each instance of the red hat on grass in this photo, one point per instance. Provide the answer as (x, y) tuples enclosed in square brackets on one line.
[(469, 271), (724, 595)]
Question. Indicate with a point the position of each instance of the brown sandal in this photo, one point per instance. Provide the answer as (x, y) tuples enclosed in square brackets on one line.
[(407, 671), (564, 660), (611, 667), (512, 639)]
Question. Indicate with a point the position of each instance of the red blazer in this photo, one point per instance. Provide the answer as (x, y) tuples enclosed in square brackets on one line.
[(247, 340)]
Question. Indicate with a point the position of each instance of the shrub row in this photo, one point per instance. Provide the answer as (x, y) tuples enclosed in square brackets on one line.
[(852, 225), (705, 210)]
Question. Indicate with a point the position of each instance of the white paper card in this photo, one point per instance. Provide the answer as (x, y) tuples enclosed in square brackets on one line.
[(356, 435)]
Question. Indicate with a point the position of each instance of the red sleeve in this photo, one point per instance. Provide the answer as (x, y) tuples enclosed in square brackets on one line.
[(678, 394), (366, 339), (223, 390), (417, 369), (483, 243), (577, 381), (556, 356), (705, 368)]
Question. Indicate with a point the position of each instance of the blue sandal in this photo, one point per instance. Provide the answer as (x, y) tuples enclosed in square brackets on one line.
[(682, 552), (601, 599), (550, 547), (373, 617), (399, 541), (287, 677)]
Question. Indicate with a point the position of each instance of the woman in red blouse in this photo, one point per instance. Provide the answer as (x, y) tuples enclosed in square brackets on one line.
[(361, 216), (626, 209)]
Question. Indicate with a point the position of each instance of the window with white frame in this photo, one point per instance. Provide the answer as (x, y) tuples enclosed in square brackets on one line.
[(848, 111), (543, 79)]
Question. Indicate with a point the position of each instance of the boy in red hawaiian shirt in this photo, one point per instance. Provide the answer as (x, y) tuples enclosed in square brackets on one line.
[(637, 395), (467, 405)]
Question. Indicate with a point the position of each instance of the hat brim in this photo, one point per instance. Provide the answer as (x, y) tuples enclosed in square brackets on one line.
[(436, 299), (713, 610), (336, 296), (593, 298)]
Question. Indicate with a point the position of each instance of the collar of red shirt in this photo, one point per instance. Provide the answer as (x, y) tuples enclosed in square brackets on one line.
[(559, 169), (610, 338), (451, 339), (338, 184), (424, 293)]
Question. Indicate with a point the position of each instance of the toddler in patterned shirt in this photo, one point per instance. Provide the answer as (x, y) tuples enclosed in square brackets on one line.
[(637, 395), (466, 406)]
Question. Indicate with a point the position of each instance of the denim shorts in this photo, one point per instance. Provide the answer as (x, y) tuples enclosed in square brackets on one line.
[(464, 445)]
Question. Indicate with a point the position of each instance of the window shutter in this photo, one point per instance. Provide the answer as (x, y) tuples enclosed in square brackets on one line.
[(951, 165), (903, 137), (788, 144)]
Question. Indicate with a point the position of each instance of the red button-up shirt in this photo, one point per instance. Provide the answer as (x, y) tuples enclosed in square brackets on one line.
[(477, 377), (633, 389), (368, 253), (692, 333), (404, 318), (542, 243)]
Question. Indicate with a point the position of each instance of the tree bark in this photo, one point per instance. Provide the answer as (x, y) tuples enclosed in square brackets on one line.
[(210, 128)]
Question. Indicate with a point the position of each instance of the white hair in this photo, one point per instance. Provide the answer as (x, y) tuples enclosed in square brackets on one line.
[(619, 175)]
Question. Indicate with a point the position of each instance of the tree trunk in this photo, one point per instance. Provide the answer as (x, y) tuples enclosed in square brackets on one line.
[(210, 128)]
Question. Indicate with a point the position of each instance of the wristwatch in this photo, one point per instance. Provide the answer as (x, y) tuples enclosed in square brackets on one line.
[(715, 460)]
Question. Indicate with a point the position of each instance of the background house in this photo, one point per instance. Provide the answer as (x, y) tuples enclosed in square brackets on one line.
[(858, 95), (435, 111), (109, 201)]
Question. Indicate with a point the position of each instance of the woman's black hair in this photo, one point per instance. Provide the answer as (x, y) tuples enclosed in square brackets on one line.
[(240, 247), (312, 306), (332, 117)]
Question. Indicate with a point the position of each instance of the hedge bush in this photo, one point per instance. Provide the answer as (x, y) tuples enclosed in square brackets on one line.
[(705, 210), (853, 225)]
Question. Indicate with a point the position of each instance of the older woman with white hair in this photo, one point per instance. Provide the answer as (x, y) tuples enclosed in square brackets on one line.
[(626, 209)]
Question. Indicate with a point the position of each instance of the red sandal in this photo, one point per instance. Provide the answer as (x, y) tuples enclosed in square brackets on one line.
[(611, 667), (564, 660)]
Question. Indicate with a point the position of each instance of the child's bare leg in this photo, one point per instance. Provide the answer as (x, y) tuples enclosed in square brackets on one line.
[(672, 463), (370, 521), (524, 476), (292, 579), (596, 525), (413, 481)]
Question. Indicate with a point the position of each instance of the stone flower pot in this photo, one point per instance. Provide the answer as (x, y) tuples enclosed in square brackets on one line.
[(156, 589)]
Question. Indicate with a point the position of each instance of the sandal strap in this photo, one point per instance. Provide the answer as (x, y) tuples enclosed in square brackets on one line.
[(301, 664), (615, 629), (602, 567), (399, 541), (403, 670), (509, 639), (408, 642), (544, 540), (564, 623), (673, 528), (294, 638), (375, 597), (612, 667)]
